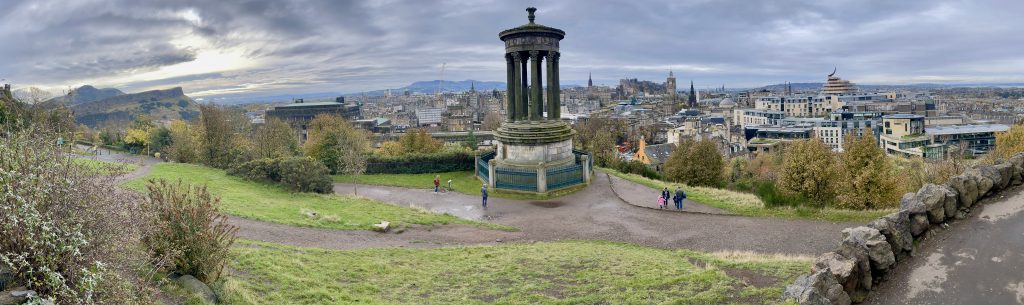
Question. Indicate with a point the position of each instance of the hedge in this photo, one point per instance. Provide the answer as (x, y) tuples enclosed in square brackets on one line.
[(421, 163), (294, 173)]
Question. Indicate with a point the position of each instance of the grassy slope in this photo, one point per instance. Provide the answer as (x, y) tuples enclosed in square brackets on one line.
[(104, 167), (574, 272), (273, 203), (463, 182), (749, 205)]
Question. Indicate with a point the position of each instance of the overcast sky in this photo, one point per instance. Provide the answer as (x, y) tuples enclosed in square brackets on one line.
[(252, 48)]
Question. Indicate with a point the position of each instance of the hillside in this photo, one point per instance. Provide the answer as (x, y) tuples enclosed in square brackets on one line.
[(84, 94), (160, 105)]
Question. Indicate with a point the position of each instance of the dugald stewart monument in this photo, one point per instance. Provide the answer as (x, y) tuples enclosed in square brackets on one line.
[(534, 151)]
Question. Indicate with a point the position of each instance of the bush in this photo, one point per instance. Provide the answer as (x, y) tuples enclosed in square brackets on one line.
[(189, 229), (294, 173), (265, 170), (772, 197), (446, 161), (637, 167), (305, 175), (66, 232)]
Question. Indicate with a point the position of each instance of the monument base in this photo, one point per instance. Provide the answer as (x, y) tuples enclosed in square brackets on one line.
[(534, 156)]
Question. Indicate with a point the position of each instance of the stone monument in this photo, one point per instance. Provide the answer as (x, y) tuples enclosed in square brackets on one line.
[(533, 138)]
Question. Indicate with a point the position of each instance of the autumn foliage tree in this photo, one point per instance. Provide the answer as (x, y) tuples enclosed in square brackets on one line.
[(1010, 142), (870, 181), (336, 143), (809, 170), (275, 139), (695, 163)]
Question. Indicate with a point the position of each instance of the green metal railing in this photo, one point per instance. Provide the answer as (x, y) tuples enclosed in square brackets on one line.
[(482, 163), (515, 179), (564, 176)]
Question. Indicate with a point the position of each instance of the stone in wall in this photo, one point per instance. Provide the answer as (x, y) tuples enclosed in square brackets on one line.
[(819, 288), (872, 254), (896, 229)]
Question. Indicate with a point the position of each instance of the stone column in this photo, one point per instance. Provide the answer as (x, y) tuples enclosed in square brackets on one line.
[(519, 92), (524, 96), (552, 91), (490, 173), (542, 178), (556, 104), (585, 159), (510, 101), (537, 109)]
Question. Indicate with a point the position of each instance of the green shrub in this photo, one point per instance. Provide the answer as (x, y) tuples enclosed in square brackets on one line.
[(445, 161), (189, 229), (305, 175), (772, 197), (298, 174), (67, 233), (265, 169), (639, 168)]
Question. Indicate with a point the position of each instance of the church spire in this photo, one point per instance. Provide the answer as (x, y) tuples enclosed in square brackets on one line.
[(693, 96), (590, 79)]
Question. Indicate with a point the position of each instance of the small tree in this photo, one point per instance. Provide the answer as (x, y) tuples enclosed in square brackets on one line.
[(1010, 142), (184, 142), (695, 163), (471, 141), (189, 228), (331, 140), (871, 181), (492, 121), (275, 139), (809, 169)]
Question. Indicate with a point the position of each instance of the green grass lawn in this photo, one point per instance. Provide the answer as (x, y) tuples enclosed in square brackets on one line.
[(571, 272), (463, 182), (272, 203), (750, 205), (104, 167)]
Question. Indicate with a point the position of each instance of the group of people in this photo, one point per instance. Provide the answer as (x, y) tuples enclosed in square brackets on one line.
[(437, 188), (680, 195)]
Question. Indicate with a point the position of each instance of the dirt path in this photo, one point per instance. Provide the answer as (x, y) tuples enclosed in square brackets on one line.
[(595, 213)]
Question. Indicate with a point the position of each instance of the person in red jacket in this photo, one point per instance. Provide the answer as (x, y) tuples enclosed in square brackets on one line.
[(437, 183)]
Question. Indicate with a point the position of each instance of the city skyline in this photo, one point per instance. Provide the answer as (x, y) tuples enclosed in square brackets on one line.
[(273, 48)]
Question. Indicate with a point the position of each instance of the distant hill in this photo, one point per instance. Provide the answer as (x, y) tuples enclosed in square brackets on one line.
[(84, 94), (160, 105), (450, 86)]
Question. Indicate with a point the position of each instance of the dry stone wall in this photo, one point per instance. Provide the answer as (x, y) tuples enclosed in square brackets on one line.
[(867, 253)]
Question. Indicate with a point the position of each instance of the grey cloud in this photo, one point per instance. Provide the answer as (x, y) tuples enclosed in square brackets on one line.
[(347, 46)]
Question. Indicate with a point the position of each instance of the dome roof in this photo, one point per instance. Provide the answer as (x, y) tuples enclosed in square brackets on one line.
[(727, 102)]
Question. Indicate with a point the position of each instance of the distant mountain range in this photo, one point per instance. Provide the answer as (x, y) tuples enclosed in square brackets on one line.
[(95, 107), (85, 94)]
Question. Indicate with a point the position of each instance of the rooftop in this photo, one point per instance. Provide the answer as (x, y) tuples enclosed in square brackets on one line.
[(957, 129), (903, 116), (298, 105)]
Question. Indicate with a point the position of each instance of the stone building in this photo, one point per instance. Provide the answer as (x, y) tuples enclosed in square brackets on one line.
[(300, 113)]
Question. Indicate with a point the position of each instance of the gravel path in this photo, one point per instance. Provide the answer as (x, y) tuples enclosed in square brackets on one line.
[(595, 213), (978, 260)]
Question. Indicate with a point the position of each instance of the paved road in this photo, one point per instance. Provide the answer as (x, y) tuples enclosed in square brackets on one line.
[(977, 261), (596, 213)]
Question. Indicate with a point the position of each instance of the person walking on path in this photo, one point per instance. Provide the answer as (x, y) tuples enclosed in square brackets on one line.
[(666, 194), (661, 202), (437, 183), (678, 198), (483, 194)]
